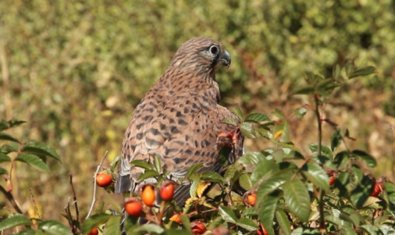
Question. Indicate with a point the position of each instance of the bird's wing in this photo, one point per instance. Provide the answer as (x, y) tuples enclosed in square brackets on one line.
[(182, 131)]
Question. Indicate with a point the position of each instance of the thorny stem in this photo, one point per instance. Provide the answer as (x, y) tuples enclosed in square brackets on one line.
[(77, 212), (95, 186), (322, 193)]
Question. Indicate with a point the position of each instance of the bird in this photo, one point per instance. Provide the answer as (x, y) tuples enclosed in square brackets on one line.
[(180, 119)]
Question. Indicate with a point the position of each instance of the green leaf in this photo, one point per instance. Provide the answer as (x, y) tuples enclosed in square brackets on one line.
[(4, 157), (33, 160), (40, 149), (193, 169), (3, 171), (148, 174), (8, 148), (28, 231), (316, 175), (147, 228), (306, 90), (212, 177), (5, 136), (362, 72), (266, 207), (14, 220), (247, 224), (283, 221), (245, 181), (142, 164), (335, 140), (263, 168), (227, 214), (369, 159), (297, 199), (113, 226), (9, 124), (54, 227), (257, 118), (274, 182), (247, 130), (361, 192), (93, 221), (251, 159)]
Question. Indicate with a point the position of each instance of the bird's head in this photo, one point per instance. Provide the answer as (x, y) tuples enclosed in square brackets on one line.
[(202, 54)]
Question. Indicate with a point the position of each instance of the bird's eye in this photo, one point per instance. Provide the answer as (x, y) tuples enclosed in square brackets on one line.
[(214, 50)]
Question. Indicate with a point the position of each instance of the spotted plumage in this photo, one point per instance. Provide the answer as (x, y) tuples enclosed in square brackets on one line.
[(179, 119)]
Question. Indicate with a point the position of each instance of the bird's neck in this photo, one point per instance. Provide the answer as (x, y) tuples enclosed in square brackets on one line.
[(183, 80)]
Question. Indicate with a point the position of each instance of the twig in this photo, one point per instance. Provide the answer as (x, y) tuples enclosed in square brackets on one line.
[(11, 199), (322, 192), (75, 202), (95, 186)]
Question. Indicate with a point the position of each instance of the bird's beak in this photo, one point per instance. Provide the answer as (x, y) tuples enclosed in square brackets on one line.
[(225, 58)]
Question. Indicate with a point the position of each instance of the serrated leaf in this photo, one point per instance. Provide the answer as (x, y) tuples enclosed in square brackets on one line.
[(297, 199), (212, 177), (245, 181), (94, 221), (362, 72), (274, 182), (316, 175), (361, 192), (266, 208), (193, 169), (369, 159), (11, 123), (247, 224), (148, 174), (247, 130), (4, 157), (306, 90), (256, 117), (40, 149), (283, 222), (142, 164), (264, 168), (250, 159), (8, 148), (227, 214), (5, 136), (54, 227), (33, 160), (147, 228), (14, 220), (113, 226), (335, 140)]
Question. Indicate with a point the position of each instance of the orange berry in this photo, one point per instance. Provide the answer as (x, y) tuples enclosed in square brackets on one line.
[(166, 192), (148, 195), (103, 179), (250, 199), (176, 218), (93, 231), (133, 207)]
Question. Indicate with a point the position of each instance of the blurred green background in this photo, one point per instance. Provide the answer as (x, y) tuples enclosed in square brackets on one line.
[(74, 70)]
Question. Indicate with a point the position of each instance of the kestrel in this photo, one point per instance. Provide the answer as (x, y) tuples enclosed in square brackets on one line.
[(180, 120)]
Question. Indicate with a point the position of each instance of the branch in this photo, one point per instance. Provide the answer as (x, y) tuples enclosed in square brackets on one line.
[(11, 199), (95, 186)]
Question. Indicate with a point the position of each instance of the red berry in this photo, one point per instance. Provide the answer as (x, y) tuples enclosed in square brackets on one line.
[(148, 195), (103, 179), (133, 207), (167, 191), (262, 230), (378, 187), (332, 176), (198, 227), (93, 231)]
